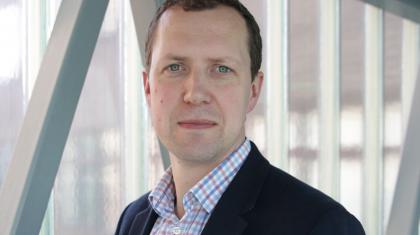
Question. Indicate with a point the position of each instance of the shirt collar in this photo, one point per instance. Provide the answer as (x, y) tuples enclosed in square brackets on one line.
[(163, 195), (210, 189), (207, 191)]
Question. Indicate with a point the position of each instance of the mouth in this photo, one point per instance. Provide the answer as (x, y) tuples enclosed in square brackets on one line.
[(197, 124)]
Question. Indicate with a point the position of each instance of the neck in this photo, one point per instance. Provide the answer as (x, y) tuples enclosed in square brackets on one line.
[(186, 175)]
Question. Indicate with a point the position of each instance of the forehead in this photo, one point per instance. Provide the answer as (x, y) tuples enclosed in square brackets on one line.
[(221, 15), (221, 27)]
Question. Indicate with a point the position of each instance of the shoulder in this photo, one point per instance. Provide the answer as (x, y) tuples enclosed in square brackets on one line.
[(280, 184), (337, 221), (130, 212), (301, 208)]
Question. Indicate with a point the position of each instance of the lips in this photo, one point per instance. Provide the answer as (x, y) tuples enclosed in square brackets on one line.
[(197, 124)]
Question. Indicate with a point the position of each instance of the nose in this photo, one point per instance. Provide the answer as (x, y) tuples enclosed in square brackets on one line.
[(196, 89)]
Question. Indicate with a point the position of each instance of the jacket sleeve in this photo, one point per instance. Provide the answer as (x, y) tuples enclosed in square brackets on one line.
[(338, 222)]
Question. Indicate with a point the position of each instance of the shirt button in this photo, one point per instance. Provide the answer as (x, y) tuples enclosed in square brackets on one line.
[(176, 230)]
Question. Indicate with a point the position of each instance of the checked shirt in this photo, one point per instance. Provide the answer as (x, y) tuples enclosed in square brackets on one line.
[(199, 201)]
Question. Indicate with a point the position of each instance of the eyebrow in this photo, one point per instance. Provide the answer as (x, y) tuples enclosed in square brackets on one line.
[(175, 57), (221, 59), (225, 59)]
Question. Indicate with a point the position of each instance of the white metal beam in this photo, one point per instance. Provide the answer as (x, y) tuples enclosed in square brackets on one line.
[(329, 98), (409, 66), (277, 115), (409, 9), (38, 152), (143, 12), (373, 129), (405, 210), (136, 123)]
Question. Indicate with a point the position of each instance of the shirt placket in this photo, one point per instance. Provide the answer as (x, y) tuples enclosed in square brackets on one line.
[(190, 204)]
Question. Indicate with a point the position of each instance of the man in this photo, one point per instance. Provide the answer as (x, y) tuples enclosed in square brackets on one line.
[(202, 77)]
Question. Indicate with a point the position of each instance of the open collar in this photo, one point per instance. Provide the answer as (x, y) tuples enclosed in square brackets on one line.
[(239, 198)]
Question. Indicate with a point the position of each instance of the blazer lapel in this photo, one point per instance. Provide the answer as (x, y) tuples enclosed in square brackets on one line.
[(239, 198), (143, 222)]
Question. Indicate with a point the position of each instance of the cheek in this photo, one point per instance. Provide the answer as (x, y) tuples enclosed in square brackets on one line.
[(234, 106), (157, 96), (161, 103)]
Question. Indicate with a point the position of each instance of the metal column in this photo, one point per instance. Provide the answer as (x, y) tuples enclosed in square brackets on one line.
[(143, 12)]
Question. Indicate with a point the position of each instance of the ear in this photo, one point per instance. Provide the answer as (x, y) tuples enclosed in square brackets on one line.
[(256, 87), (146, 87)]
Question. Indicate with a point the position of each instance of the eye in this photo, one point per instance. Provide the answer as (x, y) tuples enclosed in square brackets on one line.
[(223, 69), (174, 67)]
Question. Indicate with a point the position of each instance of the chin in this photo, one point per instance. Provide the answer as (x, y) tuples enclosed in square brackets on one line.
[(197, 153)]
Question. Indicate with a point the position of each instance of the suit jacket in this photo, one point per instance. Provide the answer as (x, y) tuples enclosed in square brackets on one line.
[(260, 200)]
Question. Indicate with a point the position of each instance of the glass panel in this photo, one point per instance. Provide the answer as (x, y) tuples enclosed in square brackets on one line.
[(392, 107), (352, 75), (277, 83), (12, 100), (142, 161), (89, 185), (304, 80)]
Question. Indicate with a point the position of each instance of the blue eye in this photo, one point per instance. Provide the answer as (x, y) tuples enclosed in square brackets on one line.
[(174, 67), (223, 69)]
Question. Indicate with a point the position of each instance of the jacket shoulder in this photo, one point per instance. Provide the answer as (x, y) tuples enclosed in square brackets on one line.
[(299, 208), (297, 192), (130, 212)]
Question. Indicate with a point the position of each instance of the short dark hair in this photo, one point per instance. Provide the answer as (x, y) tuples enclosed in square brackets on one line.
[(254, 36)]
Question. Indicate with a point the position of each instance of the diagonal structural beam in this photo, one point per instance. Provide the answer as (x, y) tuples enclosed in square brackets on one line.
[(405, 210), (32, 171), (409, 9), (143, 12)]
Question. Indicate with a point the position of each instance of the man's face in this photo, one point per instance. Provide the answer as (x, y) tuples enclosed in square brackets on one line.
[(199, 87)]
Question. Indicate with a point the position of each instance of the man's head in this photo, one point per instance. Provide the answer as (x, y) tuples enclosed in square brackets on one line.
[(253, 37), (199, 86)]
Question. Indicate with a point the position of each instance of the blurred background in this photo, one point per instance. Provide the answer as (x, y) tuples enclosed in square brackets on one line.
[(338, 87)]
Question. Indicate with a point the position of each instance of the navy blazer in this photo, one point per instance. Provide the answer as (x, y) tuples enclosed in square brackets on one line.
[(260, 200)]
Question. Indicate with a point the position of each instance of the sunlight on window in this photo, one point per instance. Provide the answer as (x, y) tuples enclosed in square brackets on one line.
[(393, 125), (351, 131), (9, 43)]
